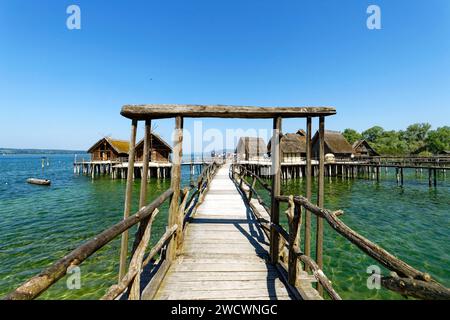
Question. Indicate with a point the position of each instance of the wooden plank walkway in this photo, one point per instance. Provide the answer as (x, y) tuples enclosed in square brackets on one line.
[(225, 252)]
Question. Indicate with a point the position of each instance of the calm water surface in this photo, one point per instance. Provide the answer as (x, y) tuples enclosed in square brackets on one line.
[(39, 225)]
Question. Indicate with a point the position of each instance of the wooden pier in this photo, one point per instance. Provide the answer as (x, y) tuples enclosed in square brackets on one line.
[(368, 168), (119, 170), (222, 240), (225, 252)]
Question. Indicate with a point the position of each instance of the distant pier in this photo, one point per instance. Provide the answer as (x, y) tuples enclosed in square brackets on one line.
[(367, 167)]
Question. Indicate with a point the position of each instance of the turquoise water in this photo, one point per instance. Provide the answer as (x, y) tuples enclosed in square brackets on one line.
[(39, 225), (411, 222)]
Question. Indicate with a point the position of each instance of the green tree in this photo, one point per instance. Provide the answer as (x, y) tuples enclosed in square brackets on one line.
[(438, 140), (417, 132), (373, 133), (415, 135), (351, 135), (391, 143)]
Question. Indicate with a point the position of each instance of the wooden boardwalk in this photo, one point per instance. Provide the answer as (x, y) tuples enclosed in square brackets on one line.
[(225, 252)]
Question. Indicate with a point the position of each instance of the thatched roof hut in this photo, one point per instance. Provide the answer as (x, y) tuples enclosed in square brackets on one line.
[(160, 150), (363, 148), (291, 143), (335, 143), (109, 149), (250, 148)]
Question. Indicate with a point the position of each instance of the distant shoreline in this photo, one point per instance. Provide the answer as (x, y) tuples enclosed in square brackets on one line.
[(13, 151)]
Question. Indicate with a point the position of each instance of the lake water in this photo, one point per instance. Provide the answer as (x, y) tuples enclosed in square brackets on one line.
[(39, 225)]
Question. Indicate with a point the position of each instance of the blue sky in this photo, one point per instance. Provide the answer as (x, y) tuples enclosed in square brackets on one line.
[(63, 88)]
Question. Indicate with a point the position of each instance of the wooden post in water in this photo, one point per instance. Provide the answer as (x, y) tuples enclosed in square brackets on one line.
[(435, 177), (308, 187), (320, 195), (175, 185), (127, 206), (401, 176), (276, 186)]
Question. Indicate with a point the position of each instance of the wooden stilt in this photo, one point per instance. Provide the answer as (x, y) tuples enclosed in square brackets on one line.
[(308, 187), (174, 214), (127, 206), (276, 189), (320, 198)]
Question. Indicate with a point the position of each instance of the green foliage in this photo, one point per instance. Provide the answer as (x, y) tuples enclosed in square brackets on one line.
[(373, 134), (425, 154), (418, 138), (351, 135), (439, 140)]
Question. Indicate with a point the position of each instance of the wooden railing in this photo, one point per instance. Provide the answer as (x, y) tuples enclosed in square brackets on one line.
[(404, 279), (34, 287), (433, 161)]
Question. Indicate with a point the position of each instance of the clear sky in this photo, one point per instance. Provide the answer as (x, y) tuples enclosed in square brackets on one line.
[(63, 88)]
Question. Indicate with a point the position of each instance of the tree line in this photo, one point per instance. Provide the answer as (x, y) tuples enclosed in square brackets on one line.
[(417, 139)]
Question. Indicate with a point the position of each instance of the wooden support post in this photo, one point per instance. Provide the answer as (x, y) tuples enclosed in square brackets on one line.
[(145, 160), (250, 191), (435, 177), (429, 177), (320, 196), (276, 189), (127, 206), (294, 218), (143, 192), (308, 187), (175, 186), (401, 176)]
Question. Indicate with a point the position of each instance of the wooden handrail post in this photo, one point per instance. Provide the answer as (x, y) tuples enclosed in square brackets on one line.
[(185, 196), (320, 195), (250, 191), (294, 219), (145, 160), (143, 192), (175, 186), (276, 186), (128, 195), (308, 188)]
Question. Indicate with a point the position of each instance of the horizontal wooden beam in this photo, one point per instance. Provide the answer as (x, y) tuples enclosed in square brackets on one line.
[(159, 111)]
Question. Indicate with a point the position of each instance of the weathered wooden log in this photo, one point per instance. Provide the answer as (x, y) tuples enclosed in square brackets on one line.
[(185, 195), (175, 183), (136, 264), (38, 284), (276, 187), (379, 254), (159, 245), (294, 219), (128, 196), (319, 275), (159, 111), (259, 179), (416, 288), (134, 269)]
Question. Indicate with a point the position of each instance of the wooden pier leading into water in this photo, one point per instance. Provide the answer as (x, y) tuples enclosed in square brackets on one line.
[(224, 254), (222, 240)]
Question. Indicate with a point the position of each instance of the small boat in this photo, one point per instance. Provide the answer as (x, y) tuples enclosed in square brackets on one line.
[(41, 182)]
